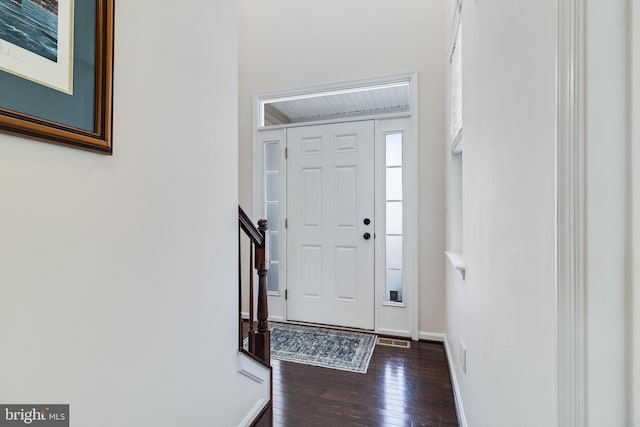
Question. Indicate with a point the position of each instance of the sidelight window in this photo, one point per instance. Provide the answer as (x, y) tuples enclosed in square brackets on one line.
[(272, 209), (394, 214)]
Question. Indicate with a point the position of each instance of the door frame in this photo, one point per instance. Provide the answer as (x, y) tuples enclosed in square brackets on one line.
[(400, 319), (635, 210), (570, 211), (383, 321)]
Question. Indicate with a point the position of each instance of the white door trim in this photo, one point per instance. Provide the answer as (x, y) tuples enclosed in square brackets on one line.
[(411, 189), (345, 86), (394, 319), (277, 307), (635, 210), (570, 211)]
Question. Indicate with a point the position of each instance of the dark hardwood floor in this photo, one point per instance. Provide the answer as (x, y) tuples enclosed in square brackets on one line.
[(402, 387)]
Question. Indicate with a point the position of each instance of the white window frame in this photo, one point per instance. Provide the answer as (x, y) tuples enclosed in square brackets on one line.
[(391, 317), (276, 298), (455, 58), (455, 188)]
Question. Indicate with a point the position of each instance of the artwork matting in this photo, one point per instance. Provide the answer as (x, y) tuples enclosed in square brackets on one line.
[(79, 116)]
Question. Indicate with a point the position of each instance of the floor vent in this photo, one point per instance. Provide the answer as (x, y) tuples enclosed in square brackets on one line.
[(391, 342)]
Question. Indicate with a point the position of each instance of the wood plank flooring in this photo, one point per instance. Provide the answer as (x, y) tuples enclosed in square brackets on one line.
[(402, 387)]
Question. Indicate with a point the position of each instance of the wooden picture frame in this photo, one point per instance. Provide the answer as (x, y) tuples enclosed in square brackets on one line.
[(80, 117)]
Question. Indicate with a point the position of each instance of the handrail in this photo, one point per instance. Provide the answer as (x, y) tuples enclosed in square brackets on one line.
[(248, 227), (260, 338)]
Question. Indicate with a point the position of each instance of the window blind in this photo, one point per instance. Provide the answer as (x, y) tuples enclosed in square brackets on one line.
[(456, 94)]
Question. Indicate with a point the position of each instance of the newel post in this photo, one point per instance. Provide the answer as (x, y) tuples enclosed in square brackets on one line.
[(262, 334)]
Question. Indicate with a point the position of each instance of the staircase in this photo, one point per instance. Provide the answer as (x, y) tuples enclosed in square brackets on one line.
[(259, 338)]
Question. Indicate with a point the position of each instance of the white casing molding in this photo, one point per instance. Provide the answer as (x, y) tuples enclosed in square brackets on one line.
[(399, 319), (276, 300), (634, 121), (245, 316), (433, 336), (570, 209), (393, 332), (462, 419), (261, 375)]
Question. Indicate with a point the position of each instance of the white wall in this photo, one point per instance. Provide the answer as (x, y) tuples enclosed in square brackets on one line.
[(288, 44), (505, 311), (635, 199), (607, 222), (117, 285)]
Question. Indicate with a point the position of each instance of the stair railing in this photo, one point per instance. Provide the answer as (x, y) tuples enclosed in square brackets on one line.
[(259, 336)]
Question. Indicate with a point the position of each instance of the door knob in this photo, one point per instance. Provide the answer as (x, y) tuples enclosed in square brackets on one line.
[(367, 221), (366, 236)]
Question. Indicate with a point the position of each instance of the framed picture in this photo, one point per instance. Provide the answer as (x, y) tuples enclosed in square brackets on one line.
[(56, 71)]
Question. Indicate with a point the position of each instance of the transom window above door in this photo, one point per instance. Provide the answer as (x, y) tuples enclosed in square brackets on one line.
[(331, 104)]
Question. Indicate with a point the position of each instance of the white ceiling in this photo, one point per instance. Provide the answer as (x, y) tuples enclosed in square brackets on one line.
[(342, 104)]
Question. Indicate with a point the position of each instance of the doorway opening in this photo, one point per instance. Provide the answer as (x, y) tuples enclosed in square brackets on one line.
[(357, 187)]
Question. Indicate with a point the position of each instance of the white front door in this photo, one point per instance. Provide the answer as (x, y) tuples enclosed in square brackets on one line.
[(330, 209)]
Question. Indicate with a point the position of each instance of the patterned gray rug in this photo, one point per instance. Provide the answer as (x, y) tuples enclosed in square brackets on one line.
[(327, 348)]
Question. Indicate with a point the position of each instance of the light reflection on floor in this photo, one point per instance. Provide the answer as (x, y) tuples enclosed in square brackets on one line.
[(394, 386)]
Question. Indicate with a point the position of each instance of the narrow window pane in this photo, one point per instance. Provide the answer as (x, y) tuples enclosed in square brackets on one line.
[(273, 186), (394, 251), (394, 183), (394, 217), (274, 247), (273, 277), (273, 216), (394, 149), (272, 157), (456, 93), (394, 283)]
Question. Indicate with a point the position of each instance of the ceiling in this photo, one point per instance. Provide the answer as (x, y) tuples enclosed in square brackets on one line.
[(353, 102)]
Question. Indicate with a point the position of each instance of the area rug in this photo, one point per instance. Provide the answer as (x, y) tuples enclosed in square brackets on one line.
[(327, 348)]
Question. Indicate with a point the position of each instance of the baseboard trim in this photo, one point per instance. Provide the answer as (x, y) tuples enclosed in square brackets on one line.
[(457, 397), (245, 316), (254, 414), (431, 336), (393, 333), (261, 375)]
